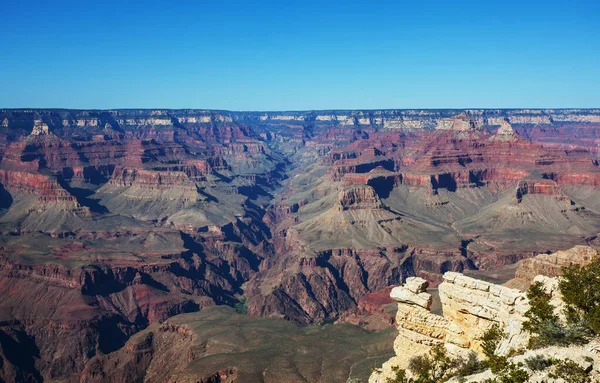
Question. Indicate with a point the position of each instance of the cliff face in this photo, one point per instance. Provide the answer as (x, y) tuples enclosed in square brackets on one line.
[(470, 307)]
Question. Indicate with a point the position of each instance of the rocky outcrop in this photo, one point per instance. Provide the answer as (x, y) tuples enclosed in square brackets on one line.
[(460, 123), (46, 188), (40, 128), (505, 129), (470, 307), (359, 197), (551, 265), (475, 306), (150, 180), (545, 187)]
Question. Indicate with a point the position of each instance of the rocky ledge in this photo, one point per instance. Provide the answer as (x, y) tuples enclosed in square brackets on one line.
[(471, 307)]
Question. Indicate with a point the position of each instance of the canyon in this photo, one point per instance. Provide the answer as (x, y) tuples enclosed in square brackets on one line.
[(123, 233)]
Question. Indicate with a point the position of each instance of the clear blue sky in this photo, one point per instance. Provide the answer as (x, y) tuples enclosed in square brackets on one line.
[(242, 55)]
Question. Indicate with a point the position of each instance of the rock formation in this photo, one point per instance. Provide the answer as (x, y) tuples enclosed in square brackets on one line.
[(40, 128), (505, 129), (551, 265), (461, 123), (470, 307)]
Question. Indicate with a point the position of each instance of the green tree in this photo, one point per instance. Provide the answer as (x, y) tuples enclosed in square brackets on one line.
[(241, 307), (580, 287), (400, 376), (570, 372), (545, 326), (490, 341)]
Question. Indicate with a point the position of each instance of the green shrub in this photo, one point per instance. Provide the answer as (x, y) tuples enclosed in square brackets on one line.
[(490, 340), (241, 307), (539, 362), (400, 376), (570, 372), (438, 366), (545, 326), (426, 368), (513, 373), (580, 287), (541, 322), (497, 363), (472, 365)]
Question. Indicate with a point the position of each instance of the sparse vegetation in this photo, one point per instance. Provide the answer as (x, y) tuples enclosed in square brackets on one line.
[(400, 376), (541, 322), (570, 372), (580, 288), (512, 373), (437, 367), (505, 371), (433, 367), (491, 339), (472, 365)]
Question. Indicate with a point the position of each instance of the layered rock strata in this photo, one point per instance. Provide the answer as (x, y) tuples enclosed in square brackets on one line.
[(470, 307)]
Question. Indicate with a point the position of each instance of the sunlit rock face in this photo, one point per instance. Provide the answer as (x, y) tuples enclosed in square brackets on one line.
[(470, 307)]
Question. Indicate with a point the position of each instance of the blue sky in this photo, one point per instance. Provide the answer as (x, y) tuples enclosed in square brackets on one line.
[(279, 55)]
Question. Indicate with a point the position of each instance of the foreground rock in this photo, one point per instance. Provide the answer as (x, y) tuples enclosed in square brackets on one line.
[(470, 307)]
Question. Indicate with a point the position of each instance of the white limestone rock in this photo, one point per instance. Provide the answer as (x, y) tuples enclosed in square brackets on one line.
[(403, 295)]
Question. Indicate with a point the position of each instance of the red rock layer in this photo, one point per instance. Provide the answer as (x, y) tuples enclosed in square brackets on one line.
[(151, 180), (45, 187)]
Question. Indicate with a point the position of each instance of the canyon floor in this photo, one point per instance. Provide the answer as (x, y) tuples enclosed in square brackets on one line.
[(127, 236)]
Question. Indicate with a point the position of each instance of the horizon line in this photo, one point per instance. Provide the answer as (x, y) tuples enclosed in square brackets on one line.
[(292, 110)]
